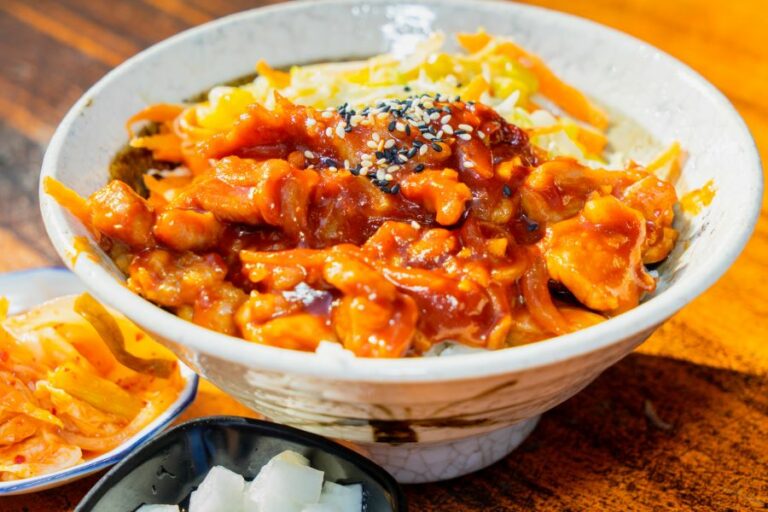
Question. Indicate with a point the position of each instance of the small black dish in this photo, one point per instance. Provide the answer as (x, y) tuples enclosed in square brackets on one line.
[(168, 468)]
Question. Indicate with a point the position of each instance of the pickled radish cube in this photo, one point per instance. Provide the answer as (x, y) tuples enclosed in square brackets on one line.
[(292, 457), (158, 508), (286, 481), (320, 507), (221, 489), (343, 498)]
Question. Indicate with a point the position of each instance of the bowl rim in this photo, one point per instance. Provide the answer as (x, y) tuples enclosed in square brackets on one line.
[(257, 428), (639, 320), (88, 467)]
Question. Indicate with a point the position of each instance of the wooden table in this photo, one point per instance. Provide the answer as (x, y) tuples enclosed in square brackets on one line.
[(680, 424)]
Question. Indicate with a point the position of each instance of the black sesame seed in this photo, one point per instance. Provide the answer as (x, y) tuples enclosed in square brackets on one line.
[(417, 144), (437, 147), (391, 125), (348, 128), (418, 168), (407, 89), (408, 129), (355, 171), (379, 154), (532, 226), (507, 191), (411, 153), (395, 189)]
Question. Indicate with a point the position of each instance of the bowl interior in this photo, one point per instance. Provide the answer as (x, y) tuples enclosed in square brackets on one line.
[(168, 469), (664, 97)]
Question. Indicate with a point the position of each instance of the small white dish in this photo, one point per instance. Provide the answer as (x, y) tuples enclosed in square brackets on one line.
[(29, 288)]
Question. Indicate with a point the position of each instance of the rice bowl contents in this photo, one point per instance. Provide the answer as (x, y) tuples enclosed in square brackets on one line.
[(76, 382), (387, 205)]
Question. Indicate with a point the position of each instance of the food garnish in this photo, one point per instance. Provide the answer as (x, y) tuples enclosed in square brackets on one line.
[(65, 397)]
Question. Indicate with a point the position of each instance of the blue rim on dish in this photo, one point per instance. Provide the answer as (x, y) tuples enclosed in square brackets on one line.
[(43, 284)]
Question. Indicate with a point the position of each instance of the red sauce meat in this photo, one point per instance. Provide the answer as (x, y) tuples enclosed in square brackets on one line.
[(387, 229)]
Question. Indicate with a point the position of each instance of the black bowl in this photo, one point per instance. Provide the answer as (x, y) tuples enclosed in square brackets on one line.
[(168, 468)]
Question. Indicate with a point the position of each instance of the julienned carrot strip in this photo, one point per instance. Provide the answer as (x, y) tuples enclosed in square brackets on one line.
[(593, 141), (474, 89), (164, 146), (158, 113), (68, 198), (473, 43), (278, 79), (567, 97)]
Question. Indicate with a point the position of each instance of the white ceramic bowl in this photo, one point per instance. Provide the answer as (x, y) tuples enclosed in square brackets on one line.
[(424, 419), (29, 288)]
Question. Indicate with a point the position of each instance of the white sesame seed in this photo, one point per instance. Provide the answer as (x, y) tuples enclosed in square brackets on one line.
[(446, 119), (309, 154), (381, 161), (380, 174), (340, 131), (393, 168), (346, 164), (428, 136), (327, 114), (481, 135), (434, 116), (366, 163), (355, 119), (400, 126), (469, 164), (465, 127), (389, 143), (311, 122), (329, 132), (439, 134), (333, 169), (448, 129), (364, 171), (389, 177), (382, 115), (415, 225), (365, 156), (376, 137), (423, 150), (371, 144), (380, 146), (464, 136), (402, 159)]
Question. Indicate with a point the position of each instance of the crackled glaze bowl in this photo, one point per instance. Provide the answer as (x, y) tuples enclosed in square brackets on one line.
[(430, 418)]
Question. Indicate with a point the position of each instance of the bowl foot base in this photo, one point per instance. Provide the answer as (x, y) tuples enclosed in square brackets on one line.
[(413, 463)]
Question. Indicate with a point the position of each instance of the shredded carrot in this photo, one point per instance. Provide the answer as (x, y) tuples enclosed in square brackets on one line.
[(164, 146), (278, 79), (68, 198), (670, 160), (593, 141), (475, 88), (473, 43), (158, 113), (567, 97)]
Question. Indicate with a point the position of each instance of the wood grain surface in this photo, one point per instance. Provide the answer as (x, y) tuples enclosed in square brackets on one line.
[(682, 424)]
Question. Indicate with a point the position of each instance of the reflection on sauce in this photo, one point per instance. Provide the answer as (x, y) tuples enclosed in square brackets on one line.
[(694, 201)]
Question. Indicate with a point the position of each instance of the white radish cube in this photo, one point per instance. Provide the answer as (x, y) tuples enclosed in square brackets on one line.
[(302, 484), (292, 457), (221, 490), (158, 508), (320, 507), (345, 498)]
